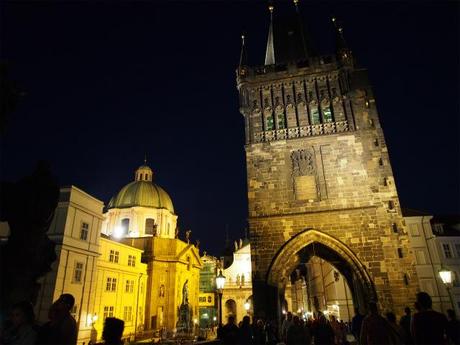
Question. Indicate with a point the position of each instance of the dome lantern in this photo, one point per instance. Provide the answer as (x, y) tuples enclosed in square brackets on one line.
[(143, 173)]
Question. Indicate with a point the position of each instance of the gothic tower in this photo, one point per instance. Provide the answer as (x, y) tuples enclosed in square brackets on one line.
[(319, 177)]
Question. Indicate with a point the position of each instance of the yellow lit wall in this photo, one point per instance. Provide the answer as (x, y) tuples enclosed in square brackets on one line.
[(126, 298)]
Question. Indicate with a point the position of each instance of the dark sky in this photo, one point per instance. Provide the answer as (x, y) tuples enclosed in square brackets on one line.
[(107, 82)]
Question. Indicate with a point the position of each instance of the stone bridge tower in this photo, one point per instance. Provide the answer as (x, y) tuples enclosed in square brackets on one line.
[(319, 176)]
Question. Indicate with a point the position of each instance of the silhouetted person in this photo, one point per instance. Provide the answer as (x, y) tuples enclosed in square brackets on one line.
[(398, 332), (287, 322), (375, 329), (405, 325), (453, 328), (428, 326), (323, 333), (356, 323), (260, 335), (113, 331), (61, 329), (295, 334), (245, 332), (230, 332), (20, 329)]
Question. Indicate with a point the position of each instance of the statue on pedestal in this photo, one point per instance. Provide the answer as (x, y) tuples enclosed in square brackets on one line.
[(184, 324)]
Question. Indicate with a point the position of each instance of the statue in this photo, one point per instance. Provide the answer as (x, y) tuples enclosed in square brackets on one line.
[(197, 244), (187, 235), (184, 324), (176, 232)]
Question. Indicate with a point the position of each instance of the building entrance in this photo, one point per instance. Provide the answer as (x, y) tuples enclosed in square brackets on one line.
[(314, 272)]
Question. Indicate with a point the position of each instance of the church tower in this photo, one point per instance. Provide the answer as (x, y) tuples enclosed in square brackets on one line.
[(320, 182)]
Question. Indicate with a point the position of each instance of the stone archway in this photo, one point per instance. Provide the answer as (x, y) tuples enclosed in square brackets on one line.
[(327, 247)]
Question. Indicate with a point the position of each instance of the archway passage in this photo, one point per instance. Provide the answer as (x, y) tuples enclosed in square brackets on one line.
[(325, 264)]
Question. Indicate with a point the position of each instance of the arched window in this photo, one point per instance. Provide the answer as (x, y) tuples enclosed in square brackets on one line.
[(125, 225), (150, 226), (314, 113), (281, 121), (327, 114), (269, 123), (141, 176)]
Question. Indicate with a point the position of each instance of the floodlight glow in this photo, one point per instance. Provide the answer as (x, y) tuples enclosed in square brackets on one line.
[(247, 305), (446, 276), (118, 232)]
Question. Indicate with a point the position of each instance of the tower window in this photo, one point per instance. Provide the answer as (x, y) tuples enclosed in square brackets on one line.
[(400, 253), (281, 122), (381, 162), (78, 272), (391, 205), (269, 123), (315, 120), (327, 114), (376, 142)]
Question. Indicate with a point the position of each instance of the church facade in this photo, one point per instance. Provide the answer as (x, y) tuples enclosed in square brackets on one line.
[(319, 177)]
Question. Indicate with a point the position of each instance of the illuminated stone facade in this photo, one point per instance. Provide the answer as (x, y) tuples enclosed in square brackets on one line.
[(238, 284), (318, 172), (76, 231), (142, 215)]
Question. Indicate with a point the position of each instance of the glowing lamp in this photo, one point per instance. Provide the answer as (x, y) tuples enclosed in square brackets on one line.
[(89, 319), (214, 318), (446, 276), (195, 321), (220, 281), (118, 232), (247, 305)]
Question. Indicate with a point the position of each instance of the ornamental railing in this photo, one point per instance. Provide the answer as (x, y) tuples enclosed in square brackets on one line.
[(302, 131)]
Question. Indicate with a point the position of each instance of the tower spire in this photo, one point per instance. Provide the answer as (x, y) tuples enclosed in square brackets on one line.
[(302, 31), (344, 53), (243, 56), (270, 51)]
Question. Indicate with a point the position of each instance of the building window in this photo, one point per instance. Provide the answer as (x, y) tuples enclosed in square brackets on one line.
[(400, 253), (108, 312), (149, 226), (446, 250), (131, 260), (128, 314), (169, 225), (327, 115), (391, 205), (315, 120), (125, 225), (269, 123), (114, 256), (111, 284), (78, 272), (84, 231), (439, 228), (281, 122), (129, 287), (394, 226)]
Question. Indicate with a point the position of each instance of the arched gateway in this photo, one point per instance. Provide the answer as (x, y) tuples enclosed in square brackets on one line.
[(316, 159), (300, 248)]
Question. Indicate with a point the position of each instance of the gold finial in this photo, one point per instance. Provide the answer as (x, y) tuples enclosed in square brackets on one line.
[(333, 19), (145, 158), (271, 8), (296, 2)]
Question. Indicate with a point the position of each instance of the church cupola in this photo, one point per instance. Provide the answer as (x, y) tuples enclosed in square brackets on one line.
[(144, 173)]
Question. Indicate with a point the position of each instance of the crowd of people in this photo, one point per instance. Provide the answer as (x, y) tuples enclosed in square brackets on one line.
[(21, 328), (424, 327)]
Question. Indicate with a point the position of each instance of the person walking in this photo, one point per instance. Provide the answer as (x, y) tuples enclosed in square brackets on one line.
[(285, 326), (295, 334), (322, 332), (245, 335), (20, 329), (453, 328), (260, 335), (356, 323), (428, 326), (375, 330), (113, 331), (61, 329), (405, 322), (230, 332), (398, 332)]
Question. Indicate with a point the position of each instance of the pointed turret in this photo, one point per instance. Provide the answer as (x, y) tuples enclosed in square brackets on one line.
[(243, 57), (344, 53), (270, 51)]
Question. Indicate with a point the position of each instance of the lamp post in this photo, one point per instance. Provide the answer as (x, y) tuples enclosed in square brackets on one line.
[(447, 278), (220, 283)]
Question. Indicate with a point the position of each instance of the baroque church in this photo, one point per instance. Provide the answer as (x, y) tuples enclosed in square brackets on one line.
[(122, 260)]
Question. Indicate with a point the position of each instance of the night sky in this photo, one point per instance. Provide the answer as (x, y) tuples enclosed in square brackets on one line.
[(106, 82)]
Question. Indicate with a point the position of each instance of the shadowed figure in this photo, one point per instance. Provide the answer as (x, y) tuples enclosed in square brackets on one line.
[(113, 331), (28, 206)]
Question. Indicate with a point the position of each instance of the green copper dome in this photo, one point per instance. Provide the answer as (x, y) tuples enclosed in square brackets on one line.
[(142, 192)]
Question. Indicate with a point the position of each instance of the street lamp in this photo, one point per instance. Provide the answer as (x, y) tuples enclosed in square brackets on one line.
[(447, 278), (220, 283), (247, 306)]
